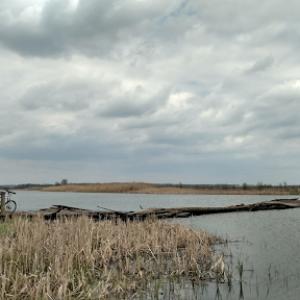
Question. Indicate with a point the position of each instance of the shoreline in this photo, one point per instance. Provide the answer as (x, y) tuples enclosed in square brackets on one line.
[(147, 188)]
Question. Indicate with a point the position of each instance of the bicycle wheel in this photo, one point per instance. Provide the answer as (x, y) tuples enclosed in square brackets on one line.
[(10, 206)]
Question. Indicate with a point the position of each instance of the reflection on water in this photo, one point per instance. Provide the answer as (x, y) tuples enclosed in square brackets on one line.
[(262, 250)]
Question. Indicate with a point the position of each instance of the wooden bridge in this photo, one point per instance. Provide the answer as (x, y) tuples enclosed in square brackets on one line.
[(63, 211)]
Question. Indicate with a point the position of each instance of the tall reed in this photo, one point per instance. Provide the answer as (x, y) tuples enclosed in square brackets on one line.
[(82, 259)]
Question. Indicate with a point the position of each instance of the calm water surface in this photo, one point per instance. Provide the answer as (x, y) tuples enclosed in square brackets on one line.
[(266, 243)]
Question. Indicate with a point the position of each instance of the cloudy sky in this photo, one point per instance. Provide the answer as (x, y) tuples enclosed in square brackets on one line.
[(194, 91)]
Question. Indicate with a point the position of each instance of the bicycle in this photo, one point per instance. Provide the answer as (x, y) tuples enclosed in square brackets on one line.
[(10, 205)]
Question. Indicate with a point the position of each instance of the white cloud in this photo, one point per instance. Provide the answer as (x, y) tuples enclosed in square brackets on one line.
[(151, 89)]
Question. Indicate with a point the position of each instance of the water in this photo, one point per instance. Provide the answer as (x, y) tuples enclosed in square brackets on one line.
[(27, 200), (267, 243)]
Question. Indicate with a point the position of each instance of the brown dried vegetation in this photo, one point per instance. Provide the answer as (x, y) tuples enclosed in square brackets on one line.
[(149, 188), (82, 259)]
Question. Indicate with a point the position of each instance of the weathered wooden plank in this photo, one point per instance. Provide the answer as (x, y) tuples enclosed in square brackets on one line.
[(63, 211)]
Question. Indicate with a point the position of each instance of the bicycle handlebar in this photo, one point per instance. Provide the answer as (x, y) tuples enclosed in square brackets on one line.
[(9, 192)]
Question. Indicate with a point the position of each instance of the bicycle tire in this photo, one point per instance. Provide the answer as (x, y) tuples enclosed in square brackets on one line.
[(10, 206)]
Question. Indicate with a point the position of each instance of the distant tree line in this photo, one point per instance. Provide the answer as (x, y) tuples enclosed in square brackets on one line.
[(225, 186), (32, 186), (63, 182), (25, 186)]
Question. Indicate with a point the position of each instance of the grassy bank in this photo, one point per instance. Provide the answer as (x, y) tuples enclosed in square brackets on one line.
[(81, 259), (148, 188)]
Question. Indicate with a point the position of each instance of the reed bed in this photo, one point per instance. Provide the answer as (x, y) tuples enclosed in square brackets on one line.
[(149, 188), (82, 259), (130, 187)]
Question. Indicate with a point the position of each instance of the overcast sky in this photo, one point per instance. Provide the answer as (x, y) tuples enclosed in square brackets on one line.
[(202, 91)]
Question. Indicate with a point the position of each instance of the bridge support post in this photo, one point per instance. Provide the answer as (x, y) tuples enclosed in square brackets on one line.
[(2, 199)]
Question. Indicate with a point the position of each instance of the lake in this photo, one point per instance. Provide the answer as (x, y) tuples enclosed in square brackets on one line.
[(265, 243)]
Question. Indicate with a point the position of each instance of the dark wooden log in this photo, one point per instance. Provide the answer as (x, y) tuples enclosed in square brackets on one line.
[(64, 211)]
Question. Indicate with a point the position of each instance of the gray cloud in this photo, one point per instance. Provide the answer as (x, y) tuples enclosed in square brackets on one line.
[(58, 96), (56, 27), (261, 65), (163, 91), (133, 104)]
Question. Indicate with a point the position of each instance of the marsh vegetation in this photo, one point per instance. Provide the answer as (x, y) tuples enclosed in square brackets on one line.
[(152, 188), (82, 259)]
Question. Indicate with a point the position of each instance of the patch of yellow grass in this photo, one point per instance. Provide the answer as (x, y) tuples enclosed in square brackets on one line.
[(150, 188), (101, 187), (82, 259)]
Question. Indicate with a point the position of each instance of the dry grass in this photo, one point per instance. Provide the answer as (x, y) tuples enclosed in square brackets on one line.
[(148, 188), (101, 187), (81, 259)]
